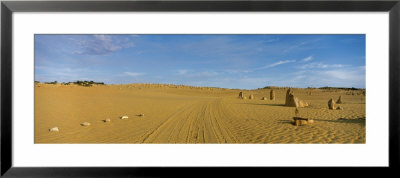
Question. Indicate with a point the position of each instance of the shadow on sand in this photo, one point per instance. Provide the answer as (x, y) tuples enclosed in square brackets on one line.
[(285, 122), (264, 104), (360, 120)]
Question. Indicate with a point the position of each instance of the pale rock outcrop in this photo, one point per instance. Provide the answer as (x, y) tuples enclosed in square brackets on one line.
[(332, 104), (251, 97), (107, 120), (85, 124), (298, 121), (302, 104), (293, 101), (54, 129)]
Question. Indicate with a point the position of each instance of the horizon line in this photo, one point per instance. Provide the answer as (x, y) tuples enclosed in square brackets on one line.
[(265, 87)]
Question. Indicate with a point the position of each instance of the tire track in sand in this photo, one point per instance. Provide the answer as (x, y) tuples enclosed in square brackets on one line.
[(204, 121), (149, 135)]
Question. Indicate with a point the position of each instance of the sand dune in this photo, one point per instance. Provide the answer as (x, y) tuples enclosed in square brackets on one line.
[(183, 114)]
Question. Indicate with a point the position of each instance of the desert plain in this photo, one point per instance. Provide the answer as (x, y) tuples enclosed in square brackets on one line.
[(167, 114)]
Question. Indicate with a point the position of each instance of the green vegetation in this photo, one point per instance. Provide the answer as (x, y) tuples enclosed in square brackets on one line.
[(341, 88), (55, 82), (87, 83), (78, 82), (273, 87), (323, 88)]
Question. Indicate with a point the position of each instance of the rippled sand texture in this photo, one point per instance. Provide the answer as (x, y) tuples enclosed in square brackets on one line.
[(182, 114)]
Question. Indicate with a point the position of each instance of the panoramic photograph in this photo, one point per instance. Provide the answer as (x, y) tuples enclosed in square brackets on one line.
[(200, 88)]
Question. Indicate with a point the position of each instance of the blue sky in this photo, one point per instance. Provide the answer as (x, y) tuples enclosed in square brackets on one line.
[(227, 61)]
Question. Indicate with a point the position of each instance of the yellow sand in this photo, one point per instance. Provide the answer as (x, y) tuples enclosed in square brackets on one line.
[(183, 114)]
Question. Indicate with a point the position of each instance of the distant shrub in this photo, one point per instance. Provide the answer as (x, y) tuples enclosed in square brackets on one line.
[(55, 82), (275, 87), (87, 83), (342, 88)]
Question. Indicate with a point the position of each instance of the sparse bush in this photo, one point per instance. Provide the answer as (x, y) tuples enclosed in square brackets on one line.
[(54, 83), (342, 88), (87, 83)]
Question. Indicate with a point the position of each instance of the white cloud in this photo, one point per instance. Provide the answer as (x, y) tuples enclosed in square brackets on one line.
[(103, 37), (344, 75), (101, 44), (279, 63), (65, 74), (333, 77), (301, 44), (299, 77), (133, 74), (309, 58), (321, 66), (182, 72), (272, 65)]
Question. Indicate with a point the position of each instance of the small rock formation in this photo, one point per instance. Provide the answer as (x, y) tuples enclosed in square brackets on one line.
[(302, 104), (298, 121), (339, 101), (339, 108), (263, 98), (293, 101), (85, 124), (54, 129), (140, 115), (251, 97), (288, 93), (272, 95), (296, 112), (124, 117), (241, 95), (107, 120), (332, 104)]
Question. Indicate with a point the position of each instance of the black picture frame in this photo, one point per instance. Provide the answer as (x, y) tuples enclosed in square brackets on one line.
[(8, 7)]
